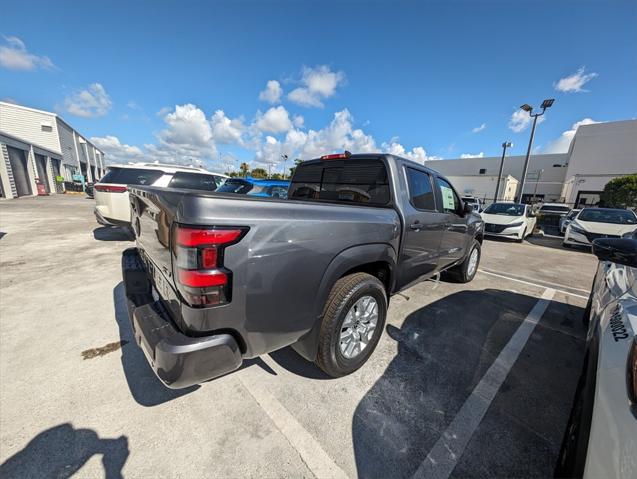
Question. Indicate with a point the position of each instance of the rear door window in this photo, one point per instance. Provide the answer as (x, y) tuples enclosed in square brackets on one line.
[(450, 203), (349, 181), (131, 176), (421, 193), (193, 181)]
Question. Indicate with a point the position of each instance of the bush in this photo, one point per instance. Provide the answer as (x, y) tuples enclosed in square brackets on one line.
[(621, 192)]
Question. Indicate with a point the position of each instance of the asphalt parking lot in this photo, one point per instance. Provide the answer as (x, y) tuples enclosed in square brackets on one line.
[(468, 380)]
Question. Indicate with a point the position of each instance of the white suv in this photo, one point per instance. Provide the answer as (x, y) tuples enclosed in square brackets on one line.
[(111, 193)]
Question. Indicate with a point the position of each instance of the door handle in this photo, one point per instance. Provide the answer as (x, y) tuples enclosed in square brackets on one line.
[(415, 226)]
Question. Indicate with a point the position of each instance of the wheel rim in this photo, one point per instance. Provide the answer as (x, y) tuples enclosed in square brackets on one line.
[(473, 262), (358, 327)]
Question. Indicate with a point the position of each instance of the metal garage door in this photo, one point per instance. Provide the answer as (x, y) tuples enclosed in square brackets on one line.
[(40, 163), (55, 164), (18, 160)]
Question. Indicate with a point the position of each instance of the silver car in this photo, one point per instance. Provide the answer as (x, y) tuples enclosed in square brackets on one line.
[(566, 220), (601, 438)]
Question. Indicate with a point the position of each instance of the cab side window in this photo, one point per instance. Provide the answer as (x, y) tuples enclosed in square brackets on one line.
[(450, 201), (421, 193)]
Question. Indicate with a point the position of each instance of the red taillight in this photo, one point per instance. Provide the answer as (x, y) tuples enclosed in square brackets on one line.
[(337, 156), (110, 188), (202, 279), (198, 237)]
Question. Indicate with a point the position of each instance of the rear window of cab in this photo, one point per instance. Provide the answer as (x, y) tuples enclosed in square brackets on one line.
[(348, 181), (131, 176)]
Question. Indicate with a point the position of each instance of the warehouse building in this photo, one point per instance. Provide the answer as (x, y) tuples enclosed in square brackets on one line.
[(597, 154), (36, 147)]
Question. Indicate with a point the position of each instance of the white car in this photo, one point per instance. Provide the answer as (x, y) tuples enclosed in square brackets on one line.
[(509, 220), (601, 437), (111, 194), (565, 220), (593, 223), (476, 203)]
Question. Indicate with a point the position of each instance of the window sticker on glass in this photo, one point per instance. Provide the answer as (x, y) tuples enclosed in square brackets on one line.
[(448, 202)]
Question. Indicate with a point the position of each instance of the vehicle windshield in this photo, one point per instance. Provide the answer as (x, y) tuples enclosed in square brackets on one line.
[(618, 217), (555, 208), (572, 214), (506, 209), (235, 186), (131, 176)]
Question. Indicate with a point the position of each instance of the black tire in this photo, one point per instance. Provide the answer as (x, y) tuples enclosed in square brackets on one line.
[(566, 245), (521, 240), (460, 273), (345, 293)]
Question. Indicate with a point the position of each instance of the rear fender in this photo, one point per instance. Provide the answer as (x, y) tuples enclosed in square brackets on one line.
[(346, 260)]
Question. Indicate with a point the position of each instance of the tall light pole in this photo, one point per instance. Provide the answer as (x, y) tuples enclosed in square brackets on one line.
[(285, 159), (505, 145), (528, 108)]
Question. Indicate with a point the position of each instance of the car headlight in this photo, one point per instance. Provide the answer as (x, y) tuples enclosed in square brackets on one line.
[(576, 229), (513, 225)]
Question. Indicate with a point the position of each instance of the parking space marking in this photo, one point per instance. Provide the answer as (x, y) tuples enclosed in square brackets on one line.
[(443, 457), (308, 448), (540, 284)]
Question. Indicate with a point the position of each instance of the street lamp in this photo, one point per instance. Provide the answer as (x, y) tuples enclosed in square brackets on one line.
[(505, 145), (285, 159), (529, 109)]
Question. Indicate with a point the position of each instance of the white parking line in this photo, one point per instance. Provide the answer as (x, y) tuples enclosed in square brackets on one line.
[(556, 287), (444, 456), (311, 452)]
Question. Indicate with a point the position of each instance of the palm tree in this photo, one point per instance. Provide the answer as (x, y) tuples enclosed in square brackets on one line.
[(244, 169)]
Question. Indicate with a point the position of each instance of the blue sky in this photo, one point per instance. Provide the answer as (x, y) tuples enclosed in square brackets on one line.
[(144, 79)]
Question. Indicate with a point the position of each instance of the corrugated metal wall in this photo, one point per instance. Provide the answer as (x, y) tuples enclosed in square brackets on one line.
[(27, 124)]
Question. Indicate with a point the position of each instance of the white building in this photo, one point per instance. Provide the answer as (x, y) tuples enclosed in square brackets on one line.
[(597, 154), (37, 145), (484, 186)]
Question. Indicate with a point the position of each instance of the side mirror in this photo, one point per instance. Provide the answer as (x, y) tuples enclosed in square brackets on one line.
[(466, 208), (616, 250)]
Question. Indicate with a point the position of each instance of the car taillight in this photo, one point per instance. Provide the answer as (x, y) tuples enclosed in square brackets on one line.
[(110, 188), (336, 156), (201, 276), (631, 372)]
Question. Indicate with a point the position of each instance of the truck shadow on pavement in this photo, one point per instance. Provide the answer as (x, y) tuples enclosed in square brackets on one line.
[(444, 350), (62, 450), (112, 233), (146, 389)]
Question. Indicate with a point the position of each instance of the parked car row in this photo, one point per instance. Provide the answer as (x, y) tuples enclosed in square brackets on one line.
[(111, 192)]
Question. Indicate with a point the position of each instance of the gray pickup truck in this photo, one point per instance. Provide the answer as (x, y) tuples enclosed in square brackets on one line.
[(217, 278)]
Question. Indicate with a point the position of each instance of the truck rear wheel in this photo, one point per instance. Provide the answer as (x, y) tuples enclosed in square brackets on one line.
[(353, 321), (465, 271)]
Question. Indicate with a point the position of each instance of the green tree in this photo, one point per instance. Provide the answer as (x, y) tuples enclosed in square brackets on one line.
[(244, 167), (259, 173), (621, 192), (297, 162)]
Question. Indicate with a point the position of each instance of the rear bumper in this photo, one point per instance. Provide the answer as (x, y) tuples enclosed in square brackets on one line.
[(178, 360), (103, 220)]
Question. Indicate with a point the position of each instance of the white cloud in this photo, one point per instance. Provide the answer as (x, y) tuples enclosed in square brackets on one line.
[(478, 129), (14, 56), (90, 102), (574, 83), (132, 104), (562, 144), (520, 121), (318, 83), (275, 120), (225, 130), (117, 152), (471, 155), (298, 121), (272, 93), (417, 154)]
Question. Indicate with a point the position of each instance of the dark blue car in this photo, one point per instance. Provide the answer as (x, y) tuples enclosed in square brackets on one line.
[(250, 186)]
